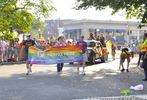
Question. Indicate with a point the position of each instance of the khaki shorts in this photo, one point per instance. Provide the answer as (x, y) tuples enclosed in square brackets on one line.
[(85, 58)]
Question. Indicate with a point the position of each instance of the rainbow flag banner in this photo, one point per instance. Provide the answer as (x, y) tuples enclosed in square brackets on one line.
[(55, 55), (109, 46)]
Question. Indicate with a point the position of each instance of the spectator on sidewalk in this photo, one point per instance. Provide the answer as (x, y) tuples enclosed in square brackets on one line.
[(10, 50), (91, 37), (16, 49), (4, 47), (0, 51)]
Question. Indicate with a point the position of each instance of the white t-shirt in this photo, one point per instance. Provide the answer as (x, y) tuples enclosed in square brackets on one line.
[(3, 44)]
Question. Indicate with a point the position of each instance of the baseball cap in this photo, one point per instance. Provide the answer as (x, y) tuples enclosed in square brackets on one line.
[(28, 34)]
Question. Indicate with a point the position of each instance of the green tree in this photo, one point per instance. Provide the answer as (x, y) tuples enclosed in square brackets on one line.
[(38, 27), (133, 8), (19, 14)]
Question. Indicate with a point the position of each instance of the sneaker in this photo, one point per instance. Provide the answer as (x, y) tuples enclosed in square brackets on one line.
[(83, 73), (122, 70), (30, 69), (27, 73), (127, 70)]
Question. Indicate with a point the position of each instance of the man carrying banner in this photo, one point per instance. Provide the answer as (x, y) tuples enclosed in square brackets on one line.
[(27, 43), (83, 44)]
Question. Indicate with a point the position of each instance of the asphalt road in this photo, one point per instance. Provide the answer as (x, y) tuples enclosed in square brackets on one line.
[(102, 79)]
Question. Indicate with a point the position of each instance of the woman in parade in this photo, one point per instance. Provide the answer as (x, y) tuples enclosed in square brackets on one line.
[(60, 43), (125, 54)]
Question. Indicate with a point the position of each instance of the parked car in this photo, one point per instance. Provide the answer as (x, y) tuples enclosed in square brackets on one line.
[(95, 51)]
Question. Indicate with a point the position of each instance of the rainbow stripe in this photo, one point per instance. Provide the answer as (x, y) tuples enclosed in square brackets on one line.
[(109, 46), (55, 55)]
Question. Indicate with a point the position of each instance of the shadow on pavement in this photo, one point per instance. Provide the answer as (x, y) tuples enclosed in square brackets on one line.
[(50, 85)]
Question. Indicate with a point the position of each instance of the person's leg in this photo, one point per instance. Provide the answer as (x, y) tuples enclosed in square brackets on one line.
[(145, 74), (15, 54), (84, 63), (133, 54), (28, 67), (27, 63), (61, 67), (2, 55), (140, 55), (121, 63), (58, 67), (128, 63), (9, 54)]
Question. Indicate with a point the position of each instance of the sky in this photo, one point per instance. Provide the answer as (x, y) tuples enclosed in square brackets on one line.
[(65, 11)]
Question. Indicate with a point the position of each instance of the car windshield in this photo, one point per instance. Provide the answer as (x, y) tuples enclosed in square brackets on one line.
[(91, 44)]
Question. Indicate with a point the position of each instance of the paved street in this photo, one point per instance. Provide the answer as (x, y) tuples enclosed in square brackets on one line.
[(102, 79)]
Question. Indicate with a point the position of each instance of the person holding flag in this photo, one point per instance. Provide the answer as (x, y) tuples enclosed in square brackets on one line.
[(26, 44)]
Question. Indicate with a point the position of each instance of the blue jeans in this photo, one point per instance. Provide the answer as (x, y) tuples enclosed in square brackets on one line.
[(59, 67)]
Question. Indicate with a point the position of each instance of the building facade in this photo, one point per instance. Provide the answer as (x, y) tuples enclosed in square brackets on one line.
[(117, 31)]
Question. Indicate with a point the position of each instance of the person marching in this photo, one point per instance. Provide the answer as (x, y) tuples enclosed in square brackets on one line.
[(60, 43), (83, 44), (125, 54), (144, 50), (140, 54), (28, 43), (113, 52)]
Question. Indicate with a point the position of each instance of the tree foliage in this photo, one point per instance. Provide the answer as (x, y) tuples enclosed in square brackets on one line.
[(38, 27), (20, 14), (133, 8)]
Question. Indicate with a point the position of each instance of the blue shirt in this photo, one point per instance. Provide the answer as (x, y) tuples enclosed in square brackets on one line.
[(84, 46), (132, 48)]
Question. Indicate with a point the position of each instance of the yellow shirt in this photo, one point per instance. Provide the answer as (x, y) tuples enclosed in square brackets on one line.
[(125, 54), (144, 46)]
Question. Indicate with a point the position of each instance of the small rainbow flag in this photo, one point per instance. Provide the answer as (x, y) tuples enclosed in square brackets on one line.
[(109, 46)]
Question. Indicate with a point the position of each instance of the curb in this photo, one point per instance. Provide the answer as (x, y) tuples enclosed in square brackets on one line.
[(12, 63)]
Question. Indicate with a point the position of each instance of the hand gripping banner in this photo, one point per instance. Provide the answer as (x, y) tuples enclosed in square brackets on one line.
[(54, 55)]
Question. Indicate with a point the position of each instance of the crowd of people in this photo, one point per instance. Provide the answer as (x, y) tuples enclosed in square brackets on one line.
[(10, 50), (14, 50)]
